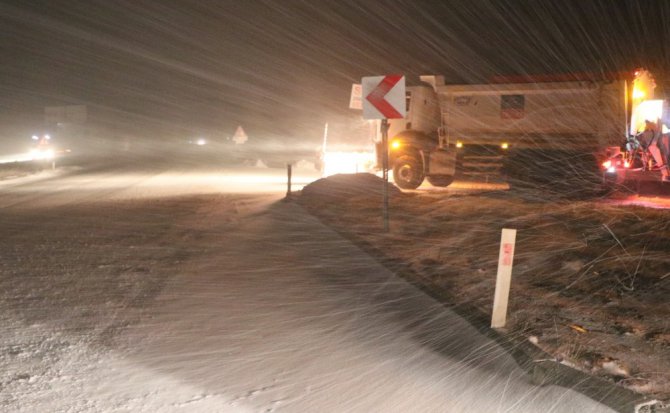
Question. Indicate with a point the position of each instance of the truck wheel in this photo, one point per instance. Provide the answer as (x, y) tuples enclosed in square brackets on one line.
[(408, 172), (440, 180)]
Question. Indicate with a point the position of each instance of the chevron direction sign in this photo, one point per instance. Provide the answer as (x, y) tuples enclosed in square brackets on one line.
[(384, 97)]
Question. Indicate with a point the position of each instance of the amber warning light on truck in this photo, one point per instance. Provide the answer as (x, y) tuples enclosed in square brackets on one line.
[(641, 98)]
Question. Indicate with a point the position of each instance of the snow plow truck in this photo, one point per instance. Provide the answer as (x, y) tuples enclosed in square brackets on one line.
[(559, 132)]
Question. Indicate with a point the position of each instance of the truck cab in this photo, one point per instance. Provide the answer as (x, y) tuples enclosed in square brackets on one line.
[(417, 148)]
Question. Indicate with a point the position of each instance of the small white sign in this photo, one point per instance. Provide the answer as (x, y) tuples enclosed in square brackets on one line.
[(356, 99), (240, 136)]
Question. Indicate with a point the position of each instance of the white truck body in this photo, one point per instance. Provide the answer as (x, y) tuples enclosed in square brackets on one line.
[(466, 125), (518, 113)]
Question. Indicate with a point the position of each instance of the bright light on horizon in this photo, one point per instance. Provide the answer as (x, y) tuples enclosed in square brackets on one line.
[(347, 162)]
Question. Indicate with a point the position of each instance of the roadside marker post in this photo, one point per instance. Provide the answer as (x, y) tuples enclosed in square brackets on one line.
[(504, 278), (289, 171), (383, 97)]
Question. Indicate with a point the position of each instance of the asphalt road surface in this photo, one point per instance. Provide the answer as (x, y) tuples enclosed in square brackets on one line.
[(150, 287)]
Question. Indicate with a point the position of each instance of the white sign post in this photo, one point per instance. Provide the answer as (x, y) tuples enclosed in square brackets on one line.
[(384, 98), (356, 99), (504, 278)]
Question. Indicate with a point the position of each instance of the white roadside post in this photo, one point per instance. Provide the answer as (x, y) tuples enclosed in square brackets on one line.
[(384, 98), (504, 278)]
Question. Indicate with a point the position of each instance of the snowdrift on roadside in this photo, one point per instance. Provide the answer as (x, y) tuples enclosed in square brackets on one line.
[(340, 187)]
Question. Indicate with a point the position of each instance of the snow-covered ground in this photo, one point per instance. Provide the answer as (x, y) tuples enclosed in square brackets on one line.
[(590, 277), (158, 291), (18, 157)]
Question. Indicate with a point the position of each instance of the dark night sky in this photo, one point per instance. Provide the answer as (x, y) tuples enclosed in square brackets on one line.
[(282, 68)]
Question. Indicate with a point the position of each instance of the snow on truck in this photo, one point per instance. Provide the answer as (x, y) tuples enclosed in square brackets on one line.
[(548, 130)]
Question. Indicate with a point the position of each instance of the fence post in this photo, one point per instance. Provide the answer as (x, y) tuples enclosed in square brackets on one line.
[(289, 171)]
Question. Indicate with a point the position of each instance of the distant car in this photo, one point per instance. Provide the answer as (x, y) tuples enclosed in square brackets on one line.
[(198, 142), (42, 149)]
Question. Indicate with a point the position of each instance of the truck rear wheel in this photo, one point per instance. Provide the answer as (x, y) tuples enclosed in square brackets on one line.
[(440, 180), (408, 172)]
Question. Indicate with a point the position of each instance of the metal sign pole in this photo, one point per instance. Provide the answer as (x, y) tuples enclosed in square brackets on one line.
[(384, 98), (385, 169)]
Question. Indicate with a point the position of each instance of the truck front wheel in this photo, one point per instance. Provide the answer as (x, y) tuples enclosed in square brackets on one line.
[(408, 172)]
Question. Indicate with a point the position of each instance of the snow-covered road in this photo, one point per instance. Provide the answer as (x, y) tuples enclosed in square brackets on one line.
[(269, 310)]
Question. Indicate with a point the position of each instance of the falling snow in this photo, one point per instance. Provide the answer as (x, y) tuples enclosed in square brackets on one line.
[(155, 266)]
